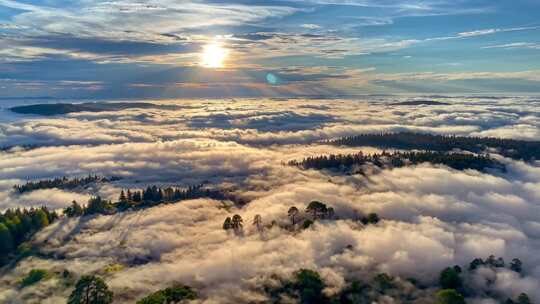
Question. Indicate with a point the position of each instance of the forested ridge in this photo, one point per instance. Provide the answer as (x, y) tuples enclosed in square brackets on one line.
[(18, 226), (140, 199), (305, 286), (458, 161), (515, 149), (63, 183)]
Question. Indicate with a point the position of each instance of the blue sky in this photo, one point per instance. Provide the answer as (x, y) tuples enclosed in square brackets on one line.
[(152, 49)]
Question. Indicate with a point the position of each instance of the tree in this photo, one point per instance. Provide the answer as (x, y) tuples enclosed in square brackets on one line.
[(91, 290), (40, 219), (450, 278), (330, 213), (316, 209), (170, 295), (74, 210), (476, 263), (227, 224), (523, 299), (372, 218), (449, 296), (6, 240), (516, 265), (137, 197), (307, 223), (257, 222), (237, 223), (34, 276), (97, 205), (309, 286), (122, 198), (293, 214)]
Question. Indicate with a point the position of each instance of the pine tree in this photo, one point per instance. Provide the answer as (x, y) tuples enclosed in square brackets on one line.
[(122, 198), (91, 290), (227, 224)]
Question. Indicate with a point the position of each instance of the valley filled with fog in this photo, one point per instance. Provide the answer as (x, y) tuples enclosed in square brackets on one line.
[(431, 214)]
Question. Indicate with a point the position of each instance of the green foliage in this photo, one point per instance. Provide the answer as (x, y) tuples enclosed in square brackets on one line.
[(383, 282), (113, 268), (61, 183), (18, 226), (97, 205), (40, 219), (25, 249), (309, 286), (450, 278), (91, 290), (356, 292), (6, 240), (449, 296), (74, 210), (34, 276), (523, 299), (170, 295), (340, 162), (155, 298), (149, 197), (307, 223), (516, 149)]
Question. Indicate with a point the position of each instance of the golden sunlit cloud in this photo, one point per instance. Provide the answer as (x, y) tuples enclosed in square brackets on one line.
[(213, 56)]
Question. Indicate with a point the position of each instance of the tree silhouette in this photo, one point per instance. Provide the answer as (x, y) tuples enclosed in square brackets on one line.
[(237, 223), (516, 265), (170, 295), (122, 198), (74, 210), (90, 290), (293, 213), (449, 296), (257, 222), (6, 241), (227, 224), (316, 209)]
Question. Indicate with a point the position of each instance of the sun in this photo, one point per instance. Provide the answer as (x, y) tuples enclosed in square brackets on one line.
[(213, 56)]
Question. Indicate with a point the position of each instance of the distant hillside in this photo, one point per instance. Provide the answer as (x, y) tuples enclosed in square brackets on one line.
[(516, 149), (420, 103), (65, 108)]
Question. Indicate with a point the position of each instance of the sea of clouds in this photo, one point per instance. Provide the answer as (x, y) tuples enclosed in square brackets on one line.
[(434, 216)]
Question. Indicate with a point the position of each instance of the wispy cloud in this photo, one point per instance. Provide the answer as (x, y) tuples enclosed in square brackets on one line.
[(515, 45)]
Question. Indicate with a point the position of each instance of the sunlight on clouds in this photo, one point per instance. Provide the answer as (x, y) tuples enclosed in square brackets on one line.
[(214, 55)]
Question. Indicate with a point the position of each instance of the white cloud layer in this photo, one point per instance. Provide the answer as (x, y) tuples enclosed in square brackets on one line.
[(434, 217)]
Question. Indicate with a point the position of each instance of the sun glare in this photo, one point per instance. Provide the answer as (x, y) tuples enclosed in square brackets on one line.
[(213, 56)]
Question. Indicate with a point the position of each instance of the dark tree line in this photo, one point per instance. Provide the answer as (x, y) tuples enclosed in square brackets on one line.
[(175, 294), (62, 183), (140, 199), (91, 289), (458, 161), (19, 225), (453, 284), (516, 149), (307, 287)]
